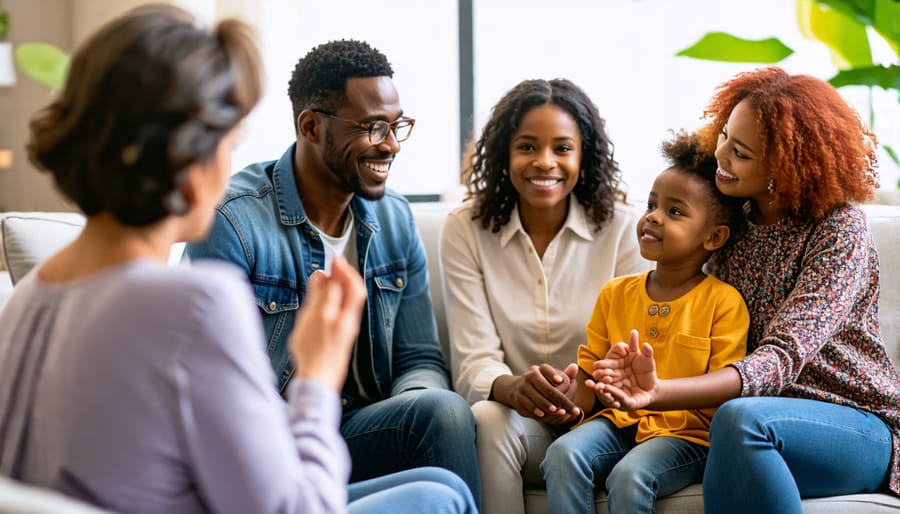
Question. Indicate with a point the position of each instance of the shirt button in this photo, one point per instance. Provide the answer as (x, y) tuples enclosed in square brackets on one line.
[(654, 332), (343, 402), (286, 372), (664, 310), (530, 250), (540, 281), (313, 233), (398, 282), (314, 265), (653, 310), (272, 306)]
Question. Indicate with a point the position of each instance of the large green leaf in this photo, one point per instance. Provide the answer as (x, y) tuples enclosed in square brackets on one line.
[(44, 63), (881, 15), (842, 34), (719, 46), (887, 77)]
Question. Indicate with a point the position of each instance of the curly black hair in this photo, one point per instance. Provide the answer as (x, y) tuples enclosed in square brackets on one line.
[(684, 153), (492, 190), (320, 77)]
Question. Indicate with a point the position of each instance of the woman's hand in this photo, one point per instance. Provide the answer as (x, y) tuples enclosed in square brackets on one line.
[(626, 379), (327, 324), (543, 393)]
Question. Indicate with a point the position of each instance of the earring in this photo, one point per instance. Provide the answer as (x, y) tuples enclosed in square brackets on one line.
[(771, 187), (582, 175), (175, 203), (504, 172)]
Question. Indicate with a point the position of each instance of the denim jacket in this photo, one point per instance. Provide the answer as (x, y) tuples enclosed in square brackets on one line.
[(261, 226)]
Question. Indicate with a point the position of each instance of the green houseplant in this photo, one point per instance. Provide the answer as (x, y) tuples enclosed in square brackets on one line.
[(846, 27), (43, 62)]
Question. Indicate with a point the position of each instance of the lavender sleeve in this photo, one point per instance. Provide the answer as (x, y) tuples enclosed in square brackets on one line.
[(249, 451)]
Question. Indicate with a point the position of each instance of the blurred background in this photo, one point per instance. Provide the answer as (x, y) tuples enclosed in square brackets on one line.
[(454, 59)]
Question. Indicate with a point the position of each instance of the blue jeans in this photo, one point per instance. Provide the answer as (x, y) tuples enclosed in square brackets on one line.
[(418, 428), (415, 491), (634, 474), (769, 452)]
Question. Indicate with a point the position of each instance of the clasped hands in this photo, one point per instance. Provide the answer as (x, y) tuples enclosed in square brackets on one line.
[(543, 393)]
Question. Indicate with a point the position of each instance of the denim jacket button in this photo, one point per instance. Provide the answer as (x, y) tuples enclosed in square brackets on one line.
[(272, 306), (399, 282)]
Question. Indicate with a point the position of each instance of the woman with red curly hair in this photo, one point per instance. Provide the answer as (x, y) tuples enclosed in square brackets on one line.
[(814, 408)]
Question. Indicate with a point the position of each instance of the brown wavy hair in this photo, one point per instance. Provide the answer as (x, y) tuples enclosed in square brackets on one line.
[(148, 95), (492, 190), (815, 148)]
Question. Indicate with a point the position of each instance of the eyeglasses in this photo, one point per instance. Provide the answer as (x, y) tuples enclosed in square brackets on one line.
[(378, 130)]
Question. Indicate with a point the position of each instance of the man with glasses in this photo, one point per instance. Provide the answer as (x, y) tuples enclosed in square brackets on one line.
[(326, 198)]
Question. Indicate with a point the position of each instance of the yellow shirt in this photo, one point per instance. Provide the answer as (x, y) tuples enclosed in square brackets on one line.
[(703, 330)]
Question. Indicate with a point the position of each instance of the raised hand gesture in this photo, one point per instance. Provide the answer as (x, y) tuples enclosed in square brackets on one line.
[(626, 378), (327, 324)]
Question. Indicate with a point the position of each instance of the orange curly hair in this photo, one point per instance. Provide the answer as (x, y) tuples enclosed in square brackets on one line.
[(815, 147)]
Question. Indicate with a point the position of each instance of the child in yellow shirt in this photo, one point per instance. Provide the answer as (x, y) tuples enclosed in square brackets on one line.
[(695, 323)]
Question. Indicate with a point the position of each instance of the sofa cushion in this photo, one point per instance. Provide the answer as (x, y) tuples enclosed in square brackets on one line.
[(30, 237)]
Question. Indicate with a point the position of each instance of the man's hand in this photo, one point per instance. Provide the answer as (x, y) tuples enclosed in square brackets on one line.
[(543, 393), (327, 324), (626, 378)]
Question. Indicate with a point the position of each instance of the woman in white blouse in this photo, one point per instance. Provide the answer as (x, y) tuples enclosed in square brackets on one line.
[(545, 225)]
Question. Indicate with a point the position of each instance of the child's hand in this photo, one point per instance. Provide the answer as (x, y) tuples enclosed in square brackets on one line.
[(626, 379)]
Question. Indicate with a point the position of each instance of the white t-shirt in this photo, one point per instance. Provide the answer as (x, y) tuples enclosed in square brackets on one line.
[(345, 244)]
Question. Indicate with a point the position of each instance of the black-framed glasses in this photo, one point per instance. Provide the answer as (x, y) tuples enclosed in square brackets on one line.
[(378, 130)]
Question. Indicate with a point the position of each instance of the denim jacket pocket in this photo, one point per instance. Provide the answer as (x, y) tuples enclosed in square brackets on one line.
[(273, 299), (279, 306), (389, 292)]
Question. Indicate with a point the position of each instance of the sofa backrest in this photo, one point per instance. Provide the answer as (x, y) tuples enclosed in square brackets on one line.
[(30, 237)]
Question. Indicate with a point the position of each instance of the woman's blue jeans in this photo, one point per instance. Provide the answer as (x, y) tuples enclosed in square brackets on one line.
[(416, 491), (767, 453), (634, 474)]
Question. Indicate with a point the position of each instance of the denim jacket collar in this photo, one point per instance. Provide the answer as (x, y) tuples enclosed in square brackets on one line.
[(290, 207)]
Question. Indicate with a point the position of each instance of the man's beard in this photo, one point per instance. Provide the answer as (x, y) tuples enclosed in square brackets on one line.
[(350, 182)]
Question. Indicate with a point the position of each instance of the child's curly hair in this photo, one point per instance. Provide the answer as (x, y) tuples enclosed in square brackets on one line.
[(493, 191), (815, 148), (684, 153)]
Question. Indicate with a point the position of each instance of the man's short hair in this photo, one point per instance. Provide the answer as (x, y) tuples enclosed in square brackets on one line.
[(320, 77)]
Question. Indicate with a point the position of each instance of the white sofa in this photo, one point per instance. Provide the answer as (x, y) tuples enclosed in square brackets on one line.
[(29, 237)]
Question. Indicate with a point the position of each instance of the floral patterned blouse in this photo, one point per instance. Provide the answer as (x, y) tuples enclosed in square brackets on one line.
[(812, 291)]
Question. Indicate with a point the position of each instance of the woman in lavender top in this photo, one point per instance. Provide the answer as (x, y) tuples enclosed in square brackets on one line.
[(814, 408), (143, 388)]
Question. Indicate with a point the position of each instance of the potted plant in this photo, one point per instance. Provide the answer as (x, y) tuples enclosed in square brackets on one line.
[(43, 62), (7, 71)]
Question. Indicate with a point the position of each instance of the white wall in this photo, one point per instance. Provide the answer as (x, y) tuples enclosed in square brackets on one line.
[(620, 51)]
